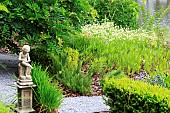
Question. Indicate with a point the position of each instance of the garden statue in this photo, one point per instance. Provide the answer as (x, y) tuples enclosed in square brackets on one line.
[(24, 66), (25, 84)]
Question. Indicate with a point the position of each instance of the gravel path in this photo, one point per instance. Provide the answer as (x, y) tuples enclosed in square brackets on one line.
[(7, 86), (83, 104), (7, 79), (8, 90)]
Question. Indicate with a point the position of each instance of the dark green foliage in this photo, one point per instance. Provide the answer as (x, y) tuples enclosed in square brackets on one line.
[(47, 94), (78, 11), (128, 96), (123, 13), (40, 22), (40, 55)]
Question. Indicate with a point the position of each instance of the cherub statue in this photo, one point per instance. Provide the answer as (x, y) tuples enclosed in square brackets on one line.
[(24, 66)]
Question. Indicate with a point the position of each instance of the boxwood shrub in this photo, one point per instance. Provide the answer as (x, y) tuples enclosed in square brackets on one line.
[(127, 96)]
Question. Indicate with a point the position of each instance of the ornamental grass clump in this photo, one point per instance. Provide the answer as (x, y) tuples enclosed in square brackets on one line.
[(47, 94), (126, 95)]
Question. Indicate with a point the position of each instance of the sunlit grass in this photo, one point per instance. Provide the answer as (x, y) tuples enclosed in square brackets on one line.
[(124, 49)]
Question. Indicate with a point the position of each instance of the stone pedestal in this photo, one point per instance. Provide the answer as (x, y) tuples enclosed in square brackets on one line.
[(25, 96)]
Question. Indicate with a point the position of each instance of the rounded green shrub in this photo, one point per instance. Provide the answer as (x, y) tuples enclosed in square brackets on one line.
[(128, 96), (123, 13)]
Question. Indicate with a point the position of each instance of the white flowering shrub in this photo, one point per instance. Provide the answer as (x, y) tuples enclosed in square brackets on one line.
[(110, 32)]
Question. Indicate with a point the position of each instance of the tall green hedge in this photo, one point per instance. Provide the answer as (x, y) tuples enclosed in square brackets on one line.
[(128, 96)]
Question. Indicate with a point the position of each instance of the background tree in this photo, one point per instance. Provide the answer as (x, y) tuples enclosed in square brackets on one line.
[(123, 13), (39, 21)]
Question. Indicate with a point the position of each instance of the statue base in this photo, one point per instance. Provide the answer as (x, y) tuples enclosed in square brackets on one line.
[(25, 82), (25, 95), (19, 110)]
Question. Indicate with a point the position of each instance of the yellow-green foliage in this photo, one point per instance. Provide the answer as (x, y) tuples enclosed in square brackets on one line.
[(67, 67), (72, 57), (3, 109), (126, 95), (2, 7)]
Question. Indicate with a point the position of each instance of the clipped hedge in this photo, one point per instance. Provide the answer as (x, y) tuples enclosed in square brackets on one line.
[(128, 96)]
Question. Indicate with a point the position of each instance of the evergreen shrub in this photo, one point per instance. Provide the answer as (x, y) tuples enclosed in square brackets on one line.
[(128, 96), (123, 13), (40, 23)]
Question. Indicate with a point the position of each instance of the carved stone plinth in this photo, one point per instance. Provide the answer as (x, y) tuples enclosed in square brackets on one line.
[(25, 83), (25, 96)]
